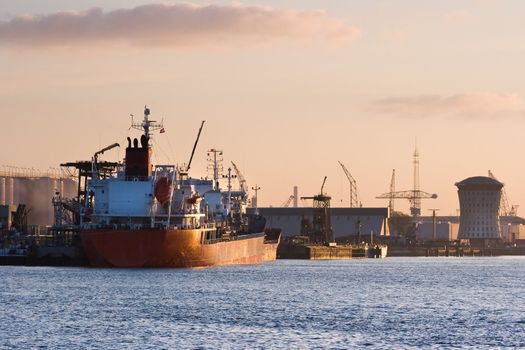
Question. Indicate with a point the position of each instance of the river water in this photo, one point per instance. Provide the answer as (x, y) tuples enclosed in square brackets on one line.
[(390, 303)]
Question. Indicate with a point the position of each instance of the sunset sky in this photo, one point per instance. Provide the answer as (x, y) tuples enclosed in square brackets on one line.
[(287, 88)]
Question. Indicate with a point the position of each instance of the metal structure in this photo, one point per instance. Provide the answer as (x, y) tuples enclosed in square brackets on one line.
[(195, 146), (434, 224), (353, 186), (66, 210), (243, 187), (415, 195), (392, 191), (287, 202), (21, 172), (505, 208), (95, 156), (254, 201), (146, 125), (215, 167), (84, 171), (321, 231)]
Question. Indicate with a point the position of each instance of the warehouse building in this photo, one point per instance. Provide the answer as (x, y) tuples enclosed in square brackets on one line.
[(345, 221)]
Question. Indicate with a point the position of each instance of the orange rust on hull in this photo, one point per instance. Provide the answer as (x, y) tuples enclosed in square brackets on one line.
[(167, 248)]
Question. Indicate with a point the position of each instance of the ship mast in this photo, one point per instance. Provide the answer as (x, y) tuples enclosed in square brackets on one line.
[(147, 125)]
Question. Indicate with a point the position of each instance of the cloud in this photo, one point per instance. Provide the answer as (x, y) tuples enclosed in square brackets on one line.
[(176, 25), (479, 106), (395, 35), (459, 17)]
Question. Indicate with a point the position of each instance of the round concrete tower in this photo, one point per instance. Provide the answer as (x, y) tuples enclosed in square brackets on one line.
[(479, 200)]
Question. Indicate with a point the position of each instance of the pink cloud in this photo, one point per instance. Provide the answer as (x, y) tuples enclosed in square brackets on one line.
[(485, 106), (176, 25), (459, 17)]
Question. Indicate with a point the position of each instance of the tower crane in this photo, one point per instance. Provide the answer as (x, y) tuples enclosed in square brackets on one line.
[(353, 186), (414, 196)]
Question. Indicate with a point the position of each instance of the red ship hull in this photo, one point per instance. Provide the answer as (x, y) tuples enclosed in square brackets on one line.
[(167, 248)]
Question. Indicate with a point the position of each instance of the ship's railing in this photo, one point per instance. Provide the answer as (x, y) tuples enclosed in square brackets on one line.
[(136, 178), (194, 227), (239, 237)]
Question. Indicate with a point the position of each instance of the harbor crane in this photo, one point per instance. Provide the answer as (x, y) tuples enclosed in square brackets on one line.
[(505, 208), (287, 202), (353, 186), (414, 196), (392, 191), (322, 227)]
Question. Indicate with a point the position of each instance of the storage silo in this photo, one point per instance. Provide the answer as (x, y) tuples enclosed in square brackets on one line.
[(479, 200)]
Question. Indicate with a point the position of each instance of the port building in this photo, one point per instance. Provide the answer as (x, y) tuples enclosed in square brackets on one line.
[(479, 201), (344, 221)]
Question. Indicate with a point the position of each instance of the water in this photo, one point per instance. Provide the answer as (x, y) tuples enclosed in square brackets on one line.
[(391, 303)]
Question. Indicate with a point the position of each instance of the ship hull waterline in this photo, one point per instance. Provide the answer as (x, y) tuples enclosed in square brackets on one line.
[(167, 248)]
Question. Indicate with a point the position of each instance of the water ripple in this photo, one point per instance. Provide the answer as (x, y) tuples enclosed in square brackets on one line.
[(397, 303)]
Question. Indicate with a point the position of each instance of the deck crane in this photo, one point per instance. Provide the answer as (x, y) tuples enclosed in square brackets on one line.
[(242, 181), (287, 202), (353, 186), (195, 146), (505, 208)]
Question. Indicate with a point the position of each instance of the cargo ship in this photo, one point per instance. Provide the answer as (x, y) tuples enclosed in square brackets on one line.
[(140, 215)]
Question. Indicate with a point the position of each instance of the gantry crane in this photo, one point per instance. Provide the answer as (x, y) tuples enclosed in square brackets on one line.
[(353, 186)]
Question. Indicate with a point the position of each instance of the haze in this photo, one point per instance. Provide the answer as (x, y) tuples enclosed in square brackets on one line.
[(287, 88)]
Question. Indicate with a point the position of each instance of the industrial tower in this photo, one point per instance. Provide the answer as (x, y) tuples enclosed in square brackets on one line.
[(414, 196)]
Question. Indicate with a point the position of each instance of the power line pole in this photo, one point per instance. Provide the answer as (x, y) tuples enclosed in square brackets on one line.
[(434, 224)]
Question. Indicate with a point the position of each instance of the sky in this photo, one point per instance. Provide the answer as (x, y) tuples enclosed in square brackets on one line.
[(287, 89)]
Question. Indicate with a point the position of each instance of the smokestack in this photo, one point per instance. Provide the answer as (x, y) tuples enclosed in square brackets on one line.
[(295, 196), (138, 160)]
